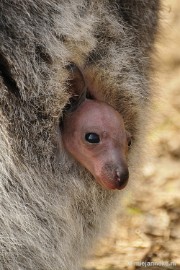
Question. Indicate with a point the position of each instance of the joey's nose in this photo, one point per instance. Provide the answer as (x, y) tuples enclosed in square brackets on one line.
[(113, 176), (121, 178)]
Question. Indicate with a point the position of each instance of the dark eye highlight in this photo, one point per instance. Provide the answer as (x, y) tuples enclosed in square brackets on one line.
[(92, 137)]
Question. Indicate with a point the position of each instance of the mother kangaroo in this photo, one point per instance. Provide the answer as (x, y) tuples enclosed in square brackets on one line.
[(52, 204)]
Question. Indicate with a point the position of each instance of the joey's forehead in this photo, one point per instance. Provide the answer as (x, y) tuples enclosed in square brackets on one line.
[(96, 117), (102, 122), (98, 109)]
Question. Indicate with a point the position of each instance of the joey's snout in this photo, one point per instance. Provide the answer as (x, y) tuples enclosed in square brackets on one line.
[(121, 177), (112, 176)]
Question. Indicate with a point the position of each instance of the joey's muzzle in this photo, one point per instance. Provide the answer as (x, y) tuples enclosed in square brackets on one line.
[(113, 177)]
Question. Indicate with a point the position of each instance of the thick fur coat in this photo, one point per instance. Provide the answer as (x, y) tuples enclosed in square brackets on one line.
[(51, 209)]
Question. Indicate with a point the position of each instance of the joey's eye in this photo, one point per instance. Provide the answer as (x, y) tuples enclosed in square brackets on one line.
[(129, 138), (129, 142), (92, 137)]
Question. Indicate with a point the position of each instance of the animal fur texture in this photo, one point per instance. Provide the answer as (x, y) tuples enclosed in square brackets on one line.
[(51, 209)]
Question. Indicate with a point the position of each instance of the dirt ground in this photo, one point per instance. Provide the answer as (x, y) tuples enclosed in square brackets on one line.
[(148, 235)]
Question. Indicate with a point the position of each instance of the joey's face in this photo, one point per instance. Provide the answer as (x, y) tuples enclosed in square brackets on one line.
[(96, 137)]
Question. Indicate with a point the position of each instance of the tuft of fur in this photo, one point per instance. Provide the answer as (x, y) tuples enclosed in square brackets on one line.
[(51, 209)]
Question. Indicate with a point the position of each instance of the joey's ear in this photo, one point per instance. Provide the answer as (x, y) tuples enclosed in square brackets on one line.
[(76, 80), (77, 87)]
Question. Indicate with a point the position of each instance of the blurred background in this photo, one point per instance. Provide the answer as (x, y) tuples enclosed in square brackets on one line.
[(149, 228)]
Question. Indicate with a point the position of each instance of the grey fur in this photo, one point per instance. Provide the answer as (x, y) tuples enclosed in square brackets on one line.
[(51, 208)]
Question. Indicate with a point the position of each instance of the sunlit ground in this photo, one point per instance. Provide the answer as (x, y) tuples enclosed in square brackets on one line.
[(149, 231)]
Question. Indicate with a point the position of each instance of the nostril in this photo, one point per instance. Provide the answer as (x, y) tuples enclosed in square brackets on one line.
[(115, 176), (118, 175), (122, 176)]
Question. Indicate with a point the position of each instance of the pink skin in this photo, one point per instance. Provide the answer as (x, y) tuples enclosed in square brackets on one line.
[(106, 157)]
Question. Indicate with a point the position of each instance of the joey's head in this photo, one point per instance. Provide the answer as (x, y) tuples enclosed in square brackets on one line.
[(94, 134)]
